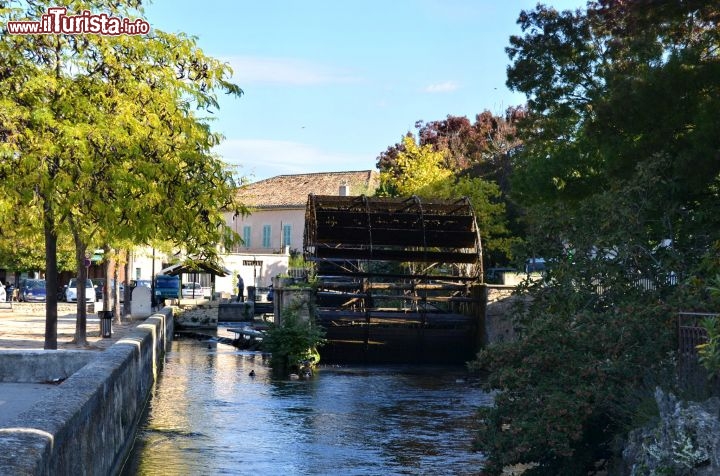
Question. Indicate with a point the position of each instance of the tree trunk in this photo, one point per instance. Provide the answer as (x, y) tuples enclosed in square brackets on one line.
[(51, 277), (116, 291), (81, 321)]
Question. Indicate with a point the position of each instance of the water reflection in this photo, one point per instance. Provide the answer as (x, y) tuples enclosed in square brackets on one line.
[(209, 416)]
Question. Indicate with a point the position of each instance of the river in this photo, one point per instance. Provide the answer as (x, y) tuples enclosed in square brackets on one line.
[(208, 416)]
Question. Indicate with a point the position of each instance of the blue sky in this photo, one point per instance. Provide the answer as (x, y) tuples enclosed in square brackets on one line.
[(329, 85)]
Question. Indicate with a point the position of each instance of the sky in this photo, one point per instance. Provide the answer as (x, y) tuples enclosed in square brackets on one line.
[(329, 85)]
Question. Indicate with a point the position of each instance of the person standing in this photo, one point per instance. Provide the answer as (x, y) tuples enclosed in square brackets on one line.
[(241, 289)]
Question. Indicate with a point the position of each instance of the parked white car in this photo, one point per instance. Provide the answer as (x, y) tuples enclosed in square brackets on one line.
[(192, 290), (71, 291)]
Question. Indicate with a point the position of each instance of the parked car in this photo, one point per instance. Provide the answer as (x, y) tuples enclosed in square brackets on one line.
[(192, 290), (99, 284), (71, 291), (33, 290), (166, 287), (142, 282)]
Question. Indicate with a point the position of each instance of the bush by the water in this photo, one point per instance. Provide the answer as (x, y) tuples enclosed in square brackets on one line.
[(293, 341)]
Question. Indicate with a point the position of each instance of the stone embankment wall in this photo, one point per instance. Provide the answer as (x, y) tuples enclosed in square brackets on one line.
[(498, 325), (197, 314), (88, 426), (41, 366)]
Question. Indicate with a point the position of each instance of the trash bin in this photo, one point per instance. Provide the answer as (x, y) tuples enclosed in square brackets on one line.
[(251, 293), (106, 323)]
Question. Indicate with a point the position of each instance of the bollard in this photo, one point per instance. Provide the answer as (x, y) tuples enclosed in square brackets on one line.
[(105, 323)]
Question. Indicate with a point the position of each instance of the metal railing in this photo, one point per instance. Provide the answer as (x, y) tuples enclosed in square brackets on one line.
[(691, 333), (693, 377)]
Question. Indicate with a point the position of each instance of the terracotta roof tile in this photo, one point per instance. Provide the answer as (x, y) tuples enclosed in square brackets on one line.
[(293, 190)]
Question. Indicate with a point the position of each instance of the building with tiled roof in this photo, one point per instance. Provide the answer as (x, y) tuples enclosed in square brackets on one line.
[(276, 223), (293, 190)]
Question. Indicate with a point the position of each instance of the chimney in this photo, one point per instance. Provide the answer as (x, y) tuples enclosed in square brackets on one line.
[(344, 189)]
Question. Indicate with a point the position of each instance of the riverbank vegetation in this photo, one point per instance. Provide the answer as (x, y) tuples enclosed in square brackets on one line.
[(618, 173), (293, 342), (611, 173)]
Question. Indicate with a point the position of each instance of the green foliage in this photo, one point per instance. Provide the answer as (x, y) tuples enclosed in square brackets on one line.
[(607, 90), (481, 152), (420, 170), (571, 382), (297, 260), (709, 352), (619, 177), (293, 341), (107, 141)]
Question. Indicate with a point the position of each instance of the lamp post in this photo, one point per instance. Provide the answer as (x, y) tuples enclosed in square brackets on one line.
[(152, 280)]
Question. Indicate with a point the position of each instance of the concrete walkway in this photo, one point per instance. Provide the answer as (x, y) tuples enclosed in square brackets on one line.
[(23, 328)]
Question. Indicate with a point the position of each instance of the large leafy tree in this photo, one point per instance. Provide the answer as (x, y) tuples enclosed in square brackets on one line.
[(21, 244), (483, 148), (619, 173), (482, 153), (104, 134)]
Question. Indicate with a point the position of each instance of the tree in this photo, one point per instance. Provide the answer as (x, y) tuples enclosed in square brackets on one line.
[(418, 170), (21, 241), (102, 132), (481, 149), (618, 173), (481, 152)]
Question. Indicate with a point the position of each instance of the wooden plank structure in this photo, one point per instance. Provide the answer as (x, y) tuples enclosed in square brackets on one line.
[(397, 277)]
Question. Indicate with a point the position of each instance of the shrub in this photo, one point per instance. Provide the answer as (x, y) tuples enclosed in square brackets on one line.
[(293, 342), (570, 383)]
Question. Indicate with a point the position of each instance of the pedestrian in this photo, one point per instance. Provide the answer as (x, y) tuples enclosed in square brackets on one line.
[(241, 289)]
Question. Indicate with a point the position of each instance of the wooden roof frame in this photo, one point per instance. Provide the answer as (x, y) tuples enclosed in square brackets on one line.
[(341, 229)]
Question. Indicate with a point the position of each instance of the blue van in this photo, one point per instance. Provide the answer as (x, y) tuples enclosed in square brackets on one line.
[(167, 287)]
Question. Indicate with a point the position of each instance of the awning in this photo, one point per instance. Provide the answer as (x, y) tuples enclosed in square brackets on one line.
[(195, 267)]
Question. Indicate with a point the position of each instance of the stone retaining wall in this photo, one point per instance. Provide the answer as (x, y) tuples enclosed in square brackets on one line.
[(498, 325), (197, 314), (236, 311), (87, 427), (41, 366)]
